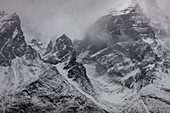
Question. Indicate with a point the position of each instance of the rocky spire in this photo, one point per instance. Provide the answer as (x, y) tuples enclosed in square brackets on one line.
[(12, 41)]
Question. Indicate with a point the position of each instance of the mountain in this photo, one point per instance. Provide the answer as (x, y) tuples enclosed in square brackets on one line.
[(125, 21), (126, 57), (32, 84), (121, 66)]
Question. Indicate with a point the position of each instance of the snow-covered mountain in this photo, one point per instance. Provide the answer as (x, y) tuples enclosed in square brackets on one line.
[(122, 65), (127, 59), (31, 84)]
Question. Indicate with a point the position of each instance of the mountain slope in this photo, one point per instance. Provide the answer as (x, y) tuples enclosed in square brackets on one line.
[(129, 58)]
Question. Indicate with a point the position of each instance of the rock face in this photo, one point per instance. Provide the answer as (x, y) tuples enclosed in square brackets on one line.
[(12, 43), (59, 51), (37, 45), (63, 52)]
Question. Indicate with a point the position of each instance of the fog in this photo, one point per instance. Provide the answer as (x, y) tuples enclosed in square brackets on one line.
[(49, 18), (55, 17)]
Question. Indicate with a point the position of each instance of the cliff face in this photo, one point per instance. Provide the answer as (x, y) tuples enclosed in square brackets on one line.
[(12, 43), (63, 53)]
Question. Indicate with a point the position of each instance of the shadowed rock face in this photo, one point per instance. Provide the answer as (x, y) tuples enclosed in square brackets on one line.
[(63, 46), (31, 54), (59, 51), (12, 42)]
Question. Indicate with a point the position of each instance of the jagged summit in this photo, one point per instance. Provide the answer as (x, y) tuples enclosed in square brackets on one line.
[(12, 41), (63, 43), (59, 50)]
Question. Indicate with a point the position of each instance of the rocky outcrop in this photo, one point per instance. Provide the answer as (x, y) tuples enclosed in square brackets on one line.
[(59, 51), (63, 52)]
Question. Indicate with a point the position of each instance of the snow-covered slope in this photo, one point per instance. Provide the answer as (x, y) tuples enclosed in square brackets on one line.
[(126, 66)]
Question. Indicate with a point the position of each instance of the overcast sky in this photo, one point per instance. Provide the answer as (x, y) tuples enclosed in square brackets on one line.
[(55, 17)]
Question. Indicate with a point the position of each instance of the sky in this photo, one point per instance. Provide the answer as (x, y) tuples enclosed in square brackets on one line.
[(50, 18)]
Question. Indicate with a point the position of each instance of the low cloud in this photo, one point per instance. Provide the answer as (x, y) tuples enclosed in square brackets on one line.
[(55, 17)]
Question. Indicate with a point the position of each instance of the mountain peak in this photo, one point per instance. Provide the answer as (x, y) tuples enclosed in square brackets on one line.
[(125, 7), (64, 37), (63, 42), (12, 41), (149, 8), (129, 5)]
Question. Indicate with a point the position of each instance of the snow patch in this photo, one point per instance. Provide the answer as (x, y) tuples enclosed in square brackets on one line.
[(15, 33)]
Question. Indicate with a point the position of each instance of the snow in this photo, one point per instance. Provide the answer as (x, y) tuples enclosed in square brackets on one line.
[(149, 40), (97, 101), (18, 75), (83, 55), (5, 45), (109, 92), (97, 53), (15, 33), (131, 74)]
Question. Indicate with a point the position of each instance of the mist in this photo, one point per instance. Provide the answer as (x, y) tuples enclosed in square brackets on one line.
[(48, 18)]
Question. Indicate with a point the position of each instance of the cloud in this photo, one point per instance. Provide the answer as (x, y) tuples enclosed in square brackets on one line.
[(55, 17)]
